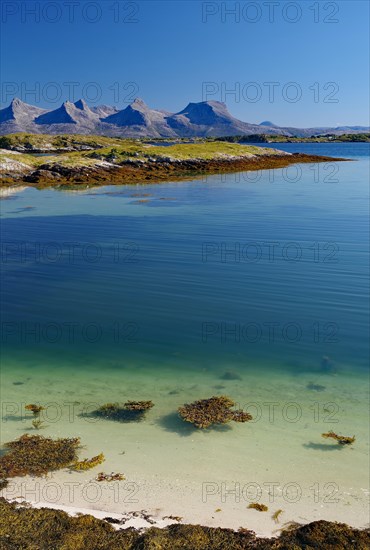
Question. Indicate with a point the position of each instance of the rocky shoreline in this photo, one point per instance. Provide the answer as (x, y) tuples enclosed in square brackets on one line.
[(135, 171)]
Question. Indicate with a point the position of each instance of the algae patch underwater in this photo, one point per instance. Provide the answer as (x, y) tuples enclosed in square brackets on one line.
[(36, 455), (215, 410), (341, 439), (35, 409)]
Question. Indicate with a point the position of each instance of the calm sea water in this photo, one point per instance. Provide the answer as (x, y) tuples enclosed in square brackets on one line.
[(253, 285), (261, 268)]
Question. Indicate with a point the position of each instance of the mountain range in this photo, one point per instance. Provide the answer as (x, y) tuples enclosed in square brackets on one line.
[(206, 118)]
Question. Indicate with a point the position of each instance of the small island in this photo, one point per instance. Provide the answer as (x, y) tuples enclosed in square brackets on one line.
[(315, 138), (54, 161)]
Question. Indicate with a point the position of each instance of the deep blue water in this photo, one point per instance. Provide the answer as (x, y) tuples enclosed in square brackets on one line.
[(344, 150), (265, 270)]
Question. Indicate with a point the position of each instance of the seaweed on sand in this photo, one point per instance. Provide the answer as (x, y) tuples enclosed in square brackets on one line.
[(276, 515), (21, 526), (109, 477), (3, 483), (88, 463), (341, 439), (128, 412), (37, 455), (138, 405), (259, 507), (174, 518), (215, 410), (325, 534)]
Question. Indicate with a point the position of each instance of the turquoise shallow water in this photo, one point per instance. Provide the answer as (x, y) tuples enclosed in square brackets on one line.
[(159, 290)]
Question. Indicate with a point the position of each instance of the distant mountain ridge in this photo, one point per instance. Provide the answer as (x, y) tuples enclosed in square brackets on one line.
[(203, 119)]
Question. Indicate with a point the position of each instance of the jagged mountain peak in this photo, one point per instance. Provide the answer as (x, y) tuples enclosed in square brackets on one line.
[(70, 113), (140, 120), (138, 102), (82, 105), (104, 110), (203, 113), (61, 115), (20, 112), (17, 102), (135, 114)]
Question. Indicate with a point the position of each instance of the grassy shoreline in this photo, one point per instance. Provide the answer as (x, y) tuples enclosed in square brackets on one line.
[(54, 161)]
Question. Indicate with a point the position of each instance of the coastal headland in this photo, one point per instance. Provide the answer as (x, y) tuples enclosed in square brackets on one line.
[(57, 161)]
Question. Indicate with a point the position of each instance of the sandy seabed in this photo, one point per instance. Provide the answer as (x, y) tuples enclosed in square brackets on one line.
[(206, 477)]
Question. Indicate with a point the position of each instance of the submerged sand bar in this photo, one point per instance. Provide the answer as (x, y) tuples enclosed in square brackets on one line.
[(53, 161)]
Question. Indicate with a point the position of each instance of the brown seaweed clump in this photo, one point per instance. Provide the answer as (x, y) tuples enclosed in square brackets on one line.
[(3, 483), (37, 455), (174, 518), (215, 410), (35, 409), (21, 526), (276, 515), (88, 463), (109, 477), (259, 507), (109, 409), (128, 412), (138, 405), (341, 439)]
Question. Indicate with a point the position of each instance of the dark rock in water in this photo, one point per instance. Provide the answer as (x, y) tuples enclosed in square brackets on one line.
[(230, 375), (315, 387), (327, 365)]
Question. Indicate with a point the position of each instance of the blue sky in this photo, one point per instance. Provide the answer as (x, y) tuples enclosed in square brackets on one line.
[(303, 63)]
